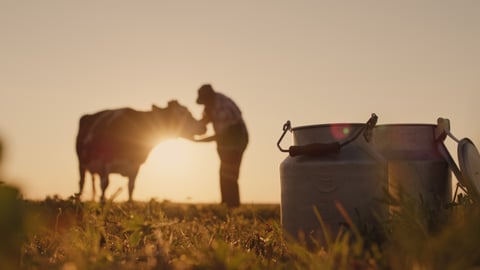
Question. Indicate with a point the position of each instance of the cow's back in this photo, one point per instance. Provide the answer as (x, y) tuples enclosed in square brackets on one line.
[(114, 137), (90, 130), (83, 131)]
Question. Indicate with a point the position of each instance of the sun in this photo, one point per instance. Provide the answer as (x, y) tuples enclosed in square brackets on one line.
[(172, 153), (179, 170)]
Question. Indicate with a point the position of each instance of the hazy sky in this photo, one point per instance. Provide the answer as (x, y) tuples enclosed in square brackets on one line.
[(311, 62)]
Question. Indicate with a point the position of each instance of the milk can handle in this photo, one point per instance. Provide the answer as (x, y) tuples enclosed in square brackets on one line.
[(314, 149), (286, 127), (441, 132), (309, 149), (324, 148)]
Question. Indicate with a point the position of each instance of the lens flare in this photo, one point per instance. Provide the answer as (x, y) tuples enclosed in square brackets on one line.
[(340, 131)]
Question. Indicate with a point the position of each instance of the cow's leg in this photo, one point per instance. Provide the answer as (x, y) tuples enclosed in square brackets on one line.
[(131, 183), (94, 191), (81, 183), (104, 181)]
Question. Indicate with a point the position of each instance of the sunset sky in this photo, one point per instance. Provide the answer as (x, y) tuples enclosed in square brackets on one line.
[(311, 62)]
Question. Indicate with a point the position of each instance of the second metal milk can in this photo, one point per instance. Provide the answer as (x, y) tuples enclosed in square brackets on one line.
[(416, 168)]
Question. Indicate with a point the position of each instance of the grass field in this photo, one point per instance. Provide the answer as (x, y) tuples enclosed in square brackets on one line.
[(69, 234)]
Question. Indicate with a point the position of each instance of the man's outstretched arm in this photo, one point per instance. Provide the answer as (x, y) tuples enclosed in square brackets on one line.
[(206, 139)]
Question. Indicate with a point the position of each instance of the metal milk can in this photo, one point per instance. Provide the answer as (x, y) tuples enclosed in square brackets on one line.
[(416, 167), (331, 166)]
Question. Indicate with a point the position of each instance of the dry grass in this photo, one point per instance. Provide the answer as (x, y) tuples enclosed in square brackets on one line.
[(69, 234)]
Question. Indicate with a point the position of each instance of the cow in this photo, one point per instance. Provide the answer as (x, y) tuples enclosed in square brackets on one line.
[(120, 140)]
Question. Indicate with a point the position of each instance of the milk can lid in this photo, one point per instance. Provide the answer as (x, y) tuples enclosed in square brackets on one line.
[(469, 161)]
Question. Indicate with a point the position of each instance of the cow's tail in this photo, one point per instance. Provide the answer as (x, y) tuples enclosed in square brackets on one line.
[(83, 131)]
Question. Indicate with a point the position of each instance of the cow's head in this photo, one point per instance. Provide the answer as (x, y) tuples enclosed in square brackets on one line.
[(180, 121)]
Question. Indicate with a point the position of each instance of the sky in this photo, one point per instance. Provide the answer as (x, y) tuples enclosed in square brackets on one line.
[(311, 62)]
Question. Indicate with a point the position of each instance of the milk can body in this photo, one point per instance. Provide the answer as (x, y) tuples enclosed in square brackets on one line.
[(415, 166), (354, 177)]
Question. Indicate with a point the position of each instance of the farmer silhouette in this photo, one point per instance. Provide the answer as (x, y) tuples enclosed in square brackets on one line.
[(231, 136)]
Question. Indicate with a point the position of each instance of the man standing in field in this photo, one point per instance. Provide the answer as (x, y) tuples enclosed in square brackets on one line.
[(231, 136)]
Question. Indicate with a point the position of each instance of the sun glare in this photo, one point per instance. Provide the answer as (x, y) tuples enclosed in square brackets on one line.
[(172, 153), (178, 169)]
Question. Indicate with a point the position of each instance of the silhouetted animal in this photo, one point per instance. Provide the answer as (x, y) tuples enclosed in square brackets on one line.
[(119, 141)]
